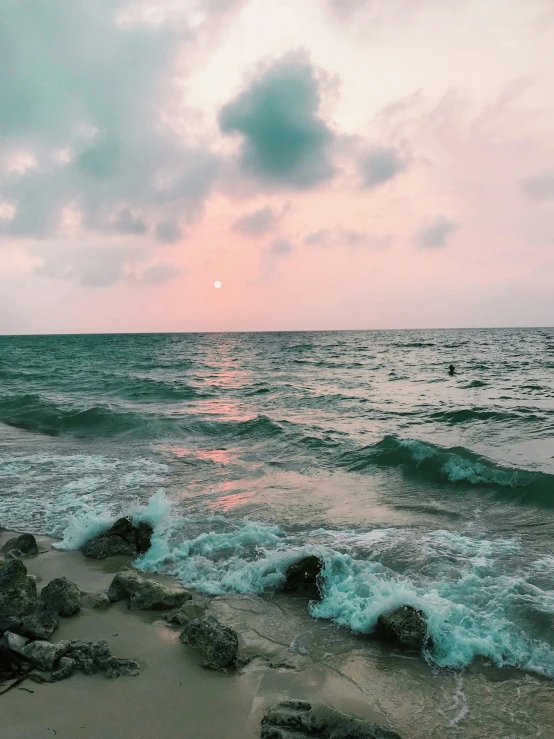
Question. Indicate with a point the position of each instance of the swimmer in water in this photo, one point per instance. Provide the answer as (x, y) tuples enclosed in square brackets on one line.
[(451, 370)]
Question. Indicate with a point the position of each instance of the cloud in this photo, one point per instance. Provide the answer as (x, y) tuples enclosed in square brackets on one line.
[(340, 236), (160, 273), (380, 165), (539, 187), (380, 10), (168, 230), (344, 9), (126, 222), (84, 97), (259, 221), (280, 247), (435, 233), (91, 264), (284, 143), (101, 264)]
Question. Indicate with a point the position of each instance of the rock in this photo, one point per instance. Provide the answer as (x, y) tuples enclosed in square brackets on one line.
[(305, 577), (121, 538), (218, 643), (26, 543), (144, 536), (145, 594), (84, 662), (188, 612), (89, 657), (62, 597), (405, 626), (66, 668), (44, 654), (20, 609), (18, 593), (301, 720), (98, 601), (15, 642), (39, 625), (14, 554)]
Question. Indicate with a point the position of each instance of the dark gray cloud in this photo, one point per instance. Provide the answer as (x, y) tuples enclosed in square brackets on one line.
[(258, 222), (435, 233), (284, 142), (340, 236), (381, 164), (539, 187), (127, 223)]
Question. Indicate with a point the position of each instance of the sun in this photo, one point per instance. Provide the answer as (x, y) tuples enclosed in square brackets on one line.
[(218, 284)]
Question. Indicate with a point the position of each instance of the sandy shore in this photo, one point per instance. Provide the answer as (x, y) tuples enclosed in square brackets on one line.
[(174, 697)]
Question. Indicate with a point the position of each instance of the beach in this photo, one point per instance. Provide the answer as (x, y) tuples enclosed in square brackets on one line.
[(174, 696)]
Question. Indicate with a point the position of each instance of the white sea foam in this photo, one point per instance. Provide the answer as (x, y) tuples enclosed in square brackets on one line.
[(469, 605)]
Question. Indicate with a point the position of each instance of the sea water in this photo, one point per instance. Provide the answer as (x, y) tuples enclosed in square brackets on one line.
[(247, 451)]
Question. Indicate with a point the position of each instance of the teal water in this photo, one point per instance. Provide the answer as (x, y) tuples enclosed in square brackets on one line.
[(248, 449)]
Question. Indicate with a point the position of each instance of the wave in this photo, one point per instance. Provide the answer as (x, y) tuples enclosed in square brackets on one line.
[(466, 415), (216, 555), (144, 388), (453, 465), (415, 345), (43, 416), (258, 427), (474, 384), (33, 413)]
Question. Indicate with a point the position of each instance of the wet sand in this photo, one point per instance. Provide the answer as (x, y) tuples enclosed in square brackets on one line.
[(174, 697)]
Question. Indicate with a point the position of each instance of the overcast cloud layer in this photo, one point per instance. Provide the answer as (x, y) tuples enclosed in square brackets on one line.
[(362, 164)]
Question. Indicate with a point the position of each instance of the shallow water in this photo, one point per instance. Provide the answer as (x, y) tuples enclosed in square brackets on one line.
[(414, 486)]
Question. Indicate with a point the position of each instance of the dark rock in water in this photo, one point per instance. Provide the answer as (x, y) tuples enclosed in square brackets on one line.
[(66, 668), (405, 626), (304, 577), (144, 536), (145, 594), (121, 538), (302, 720), (20, 609), (26, 544), (218, 643), (62, 597)]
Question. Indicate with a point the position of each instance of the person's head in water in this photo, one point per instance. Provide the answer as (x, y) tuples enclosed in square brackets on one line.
[(451, 370)]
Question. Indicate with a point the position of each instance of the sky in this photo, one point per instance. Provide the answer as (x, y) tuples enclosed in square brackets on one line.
[(334, 164)]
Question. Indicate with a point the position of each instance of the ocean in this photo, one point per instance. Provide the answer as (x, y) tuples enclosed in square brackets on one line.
[(249, 450)]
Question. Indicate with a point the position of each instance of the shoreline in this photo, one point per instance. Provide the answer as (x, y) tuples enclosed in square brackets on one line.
[(173, 696)]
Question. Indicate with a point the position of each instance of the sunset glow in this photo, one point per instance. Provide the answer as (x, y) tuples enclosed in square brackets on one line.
[(345, 164)]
